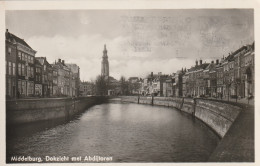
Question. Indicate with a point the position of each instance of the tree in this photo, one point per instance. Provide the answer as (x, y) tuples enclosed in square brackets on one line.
[(124, 86), (92, 88), (101, 85), (134, 87)]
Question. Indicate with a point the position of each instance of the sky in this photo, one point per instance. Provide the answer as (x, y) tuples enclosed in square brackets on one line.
[(138, 41)]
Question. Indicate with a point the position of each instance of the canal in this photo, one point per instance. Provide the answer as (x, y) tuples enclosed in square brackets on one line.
[(126, 132)]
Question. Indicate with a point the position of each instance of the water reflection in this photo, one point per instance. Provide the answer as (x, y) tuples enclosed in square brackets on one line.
[(127, 132)]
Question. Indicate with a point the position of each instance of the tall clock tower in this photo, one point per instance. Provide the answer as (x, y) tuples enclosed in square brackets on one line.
[(105, 64)]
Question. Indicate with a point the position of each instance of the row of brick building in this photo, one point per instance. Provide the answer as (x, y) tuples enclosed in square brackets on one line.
[(232, 76), (31, 76)]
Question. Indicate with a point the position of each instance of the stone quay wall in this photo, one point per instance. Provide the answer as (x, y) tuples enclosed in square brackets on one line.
[(35, 110), (217, 115)]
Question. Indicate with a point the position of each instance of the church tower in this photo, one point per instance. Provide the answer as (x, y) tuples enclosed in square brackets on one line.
[(104, 64)]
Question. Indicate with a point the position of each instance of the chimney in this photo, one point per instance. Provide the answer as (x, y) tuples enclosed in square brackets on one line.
[(196, 63), (151, 74), (63, 62), (6, 30), (217, 61), (200, 62), (59, 60), (212, 62)]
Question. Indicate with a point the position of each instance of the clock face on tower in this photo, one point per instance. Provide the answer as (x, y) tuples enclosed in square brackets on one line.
[(105, 64)]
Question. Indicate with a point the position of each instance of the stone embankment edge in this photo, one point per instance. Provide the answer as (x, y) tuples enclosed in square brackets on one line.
[(35, 110), (217, 115)]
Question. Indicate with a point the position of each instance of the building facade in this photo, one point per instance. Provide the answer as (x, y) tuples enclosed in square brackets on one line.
[(20, 62), (47, 80), (30, 76), (75, 79), (38, 79), (10, 63), (63, 78), (55, 89)]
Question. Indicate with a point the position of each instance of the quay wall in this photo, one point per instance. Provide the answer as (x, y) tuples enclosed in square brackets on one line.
[(35, 110), (217, 115)]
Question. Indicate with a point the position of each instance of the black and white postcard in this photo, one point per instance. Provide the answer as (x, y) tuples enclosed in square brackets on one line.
[(129, 82)]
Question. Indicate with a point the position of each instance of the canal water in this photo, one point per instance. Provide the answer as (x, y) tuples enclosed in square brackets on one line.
[(125, 132)]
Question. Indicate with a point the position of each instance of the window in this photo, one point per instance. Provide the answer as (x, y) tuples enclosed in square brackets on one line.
[(32, 72), (22, 56), (23, 74), (55, 81), (9, 50), (44, 67), (49, 75), (10, 68), (28, 71), (25, 58), (23, 89), (19, 55), (19, 86), (55, 73), (14, 69), (30, 88), (19, 69), (9, 87)]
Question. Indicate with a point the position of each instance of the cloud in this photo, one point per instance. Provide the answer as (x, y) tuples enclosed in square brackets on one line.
[(88, 56), (138, 41), (143, 68), (80, 50)]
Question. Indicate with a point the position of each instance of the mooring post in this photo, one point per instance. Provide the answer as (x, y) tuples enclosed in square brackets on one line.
[(152, 99), (194, 108), (182, 102)]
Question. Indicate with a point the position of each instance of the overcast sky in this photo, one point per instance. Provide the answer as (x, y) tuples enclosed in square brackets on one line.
[(138, 41)]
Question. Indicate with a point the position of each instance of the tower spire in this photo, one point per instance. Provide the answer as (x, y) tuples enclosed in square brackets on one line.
[(105, 51)]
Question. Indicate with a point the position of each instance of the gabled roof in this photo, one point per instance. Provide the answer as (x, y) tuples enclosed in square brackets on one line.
[(37, 62), (211, 66), (231, 56), (73, 67), (199, 67), (12, 37), (42, 60)]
